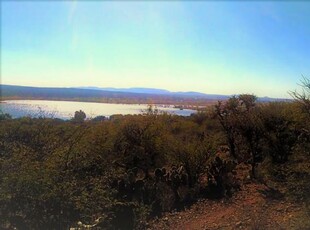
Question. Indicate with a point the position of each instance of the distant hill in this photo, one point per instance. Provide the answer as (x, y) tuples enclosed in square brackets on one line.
[(191, 94), (131, 90), (155, 91), (113, 95), (270, 99)]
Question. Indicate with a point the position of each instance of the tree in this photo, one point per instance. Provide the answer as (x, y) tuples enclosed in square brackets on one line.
[(248, 101), (241, 122), (303, 97), (140, 143), (279, 131), (226, 113), (79, 116)]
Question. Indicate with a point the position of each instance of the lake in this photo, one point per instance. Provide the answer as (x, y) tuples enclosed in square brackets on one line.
[(65, 109)]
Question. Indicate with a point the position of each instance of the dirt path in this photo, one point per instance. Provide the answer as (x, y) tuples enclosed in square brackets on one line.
[(247, 209)]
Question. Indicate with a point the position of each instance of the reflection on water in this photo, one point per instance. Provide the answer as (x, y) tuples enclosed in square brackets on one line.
[(66, 109)]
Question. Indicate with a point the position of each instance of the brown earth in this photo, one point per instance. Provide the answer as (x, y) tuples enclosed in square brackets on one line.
[(255, 206)]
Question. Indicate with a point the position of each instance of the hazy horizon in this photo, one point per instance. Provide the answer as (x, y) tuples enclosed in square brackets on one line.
[(209, 47)]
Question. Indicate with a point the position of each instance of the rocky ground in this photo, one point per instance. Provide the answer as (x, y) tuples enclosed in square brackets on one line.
[(255, 206)]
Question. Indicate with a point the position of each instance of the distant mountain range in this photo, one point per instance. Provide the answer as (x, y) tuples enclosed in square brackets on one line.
[(181, 94), (155, 91), (129, 90), (113, 95)]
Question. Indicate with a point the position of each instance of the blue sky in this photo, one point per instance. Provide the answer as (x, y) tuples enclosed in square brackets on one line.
[(212, 47)]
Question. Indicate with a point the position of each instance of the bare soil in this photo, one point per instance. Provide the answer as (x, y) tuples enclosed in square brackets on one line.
[(255, 206)]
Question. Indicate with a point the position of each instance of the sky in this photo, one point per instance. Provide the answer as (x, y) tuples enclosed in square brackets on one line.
[(221, 47)]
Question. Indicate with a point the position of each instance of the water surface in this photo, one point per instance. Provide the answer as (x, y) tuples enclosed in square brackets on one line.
[(66, 109)]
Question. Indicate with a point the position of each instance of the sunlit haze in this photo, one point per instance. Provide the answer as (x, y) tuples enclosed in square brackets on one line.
[(210, 47)]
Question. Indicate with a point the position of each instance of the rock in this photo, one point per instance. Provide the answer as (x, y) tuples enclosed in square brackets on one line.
[(166, 219), (238, 224)]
